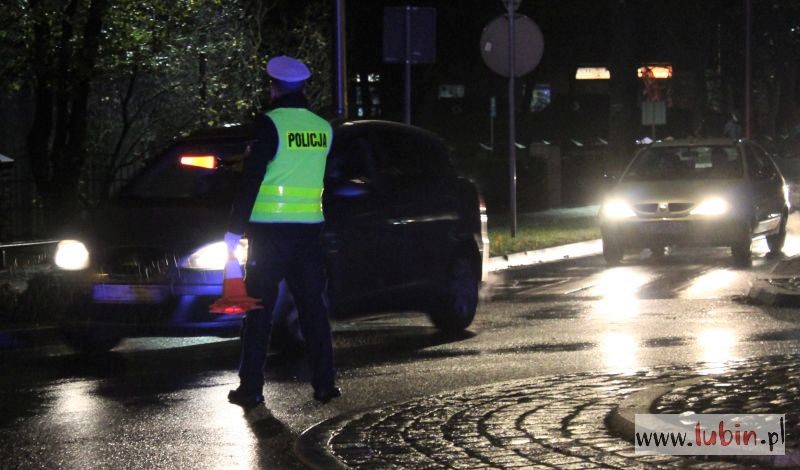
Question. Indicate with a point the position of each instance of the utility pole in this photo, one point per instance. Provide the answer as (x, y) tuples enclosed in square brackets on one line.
[(511, 6), (341, 60), (748, 72), (407, 62)]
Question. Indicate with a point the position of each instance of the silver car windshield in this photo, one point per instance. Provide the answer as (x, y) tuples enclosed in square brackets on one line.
[(686, 163)]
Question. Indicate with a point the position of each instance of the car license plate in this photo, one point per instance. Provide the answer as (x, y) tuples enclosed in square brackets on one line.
[(663, 228), (129, 294)]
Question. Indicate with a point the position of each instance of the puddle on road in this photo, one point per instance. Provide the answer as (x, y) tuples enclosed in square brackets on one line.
[(666, 342), (552, 313), (537, 348)]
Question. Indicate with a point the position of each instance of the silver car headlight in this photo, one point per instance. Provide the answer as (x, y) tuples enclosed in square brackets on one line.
[(617, 209), (71, 255), (214, 256), (711, 206)]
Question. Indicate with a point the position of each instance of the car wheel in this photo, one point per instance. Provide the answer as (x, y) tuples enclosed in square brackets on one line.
[(775, 242), (612, 252), (90, 342), (460, 300)]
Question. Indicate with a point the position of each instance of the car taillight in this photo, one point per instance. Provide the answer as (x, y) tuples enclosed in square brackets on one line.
[(200, 161)]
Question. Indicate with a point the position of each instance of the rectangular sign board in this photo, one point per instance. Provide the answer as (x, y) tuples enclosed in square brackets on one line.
[(422, 27), (654, 113)]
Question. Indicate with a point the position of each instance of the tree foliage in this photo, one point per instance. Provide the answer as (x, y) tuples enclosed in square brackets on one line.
[(114, 80)]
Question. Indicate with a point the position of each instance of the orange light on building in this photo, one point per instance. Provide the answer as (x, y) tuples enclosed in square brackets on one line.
[(654, 71), (200, 161)]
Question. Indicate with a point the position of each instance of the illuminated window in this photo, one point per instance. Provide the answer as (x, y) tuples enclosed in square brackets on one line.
[(540, 98), (451, 91), (654, 71), (367, 92), (592, 73)]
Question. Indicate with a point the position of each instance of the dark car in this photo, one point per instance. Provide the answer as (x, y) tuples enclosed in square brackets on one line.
[(403, 232), (713, 192)]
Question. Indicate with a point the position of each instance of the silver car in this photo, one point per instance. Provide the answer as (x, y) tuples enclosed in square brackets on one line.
[(713, 192)]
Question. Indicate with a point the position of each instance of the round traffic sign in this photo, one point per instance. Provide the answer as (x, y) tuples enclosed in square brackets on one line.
[(528, 40)]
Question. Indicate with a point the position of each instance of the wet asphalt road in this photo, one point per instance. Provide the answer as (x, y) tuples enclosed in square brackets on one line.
[(161, 403)]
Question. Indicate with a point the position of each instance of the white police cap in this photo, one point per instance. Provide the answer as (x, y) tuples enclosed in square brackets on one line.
[(287, 69)]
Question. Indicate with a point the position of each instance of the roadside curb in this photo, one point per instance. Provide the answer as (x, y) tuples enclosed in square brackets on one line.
[(780, 288), (546, 255), (622, 420), (776, 291), (307, 449)]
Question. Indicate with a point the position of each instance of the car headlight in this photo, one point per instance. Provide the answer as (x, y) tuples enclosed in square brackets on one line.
[(71, 255), (711, 206), (617, 209), (215, 255)]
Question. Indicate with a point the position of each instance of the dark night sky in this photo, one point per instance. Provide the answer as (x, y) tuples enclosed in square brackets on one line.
[(575, 33), (581, 31)]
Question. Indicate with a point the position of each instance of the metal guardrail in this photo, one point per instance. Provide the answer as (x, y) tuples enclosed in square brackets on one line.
[(12, 246), (27, 243)]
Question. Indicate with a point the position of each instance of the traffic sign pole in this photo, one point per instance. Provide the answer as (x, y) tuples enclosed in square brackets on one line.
[(501, 37), (407, 111), (409, 37), (492, 115), (512, 122)]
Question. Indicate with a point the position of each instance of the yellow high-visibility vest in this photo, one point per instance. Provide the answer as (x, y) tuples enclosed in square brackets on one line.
[(292, 187)]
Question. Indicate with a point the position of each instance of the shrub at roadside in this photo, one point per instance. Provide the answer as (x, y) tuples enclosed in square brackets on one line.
[(534, 235)]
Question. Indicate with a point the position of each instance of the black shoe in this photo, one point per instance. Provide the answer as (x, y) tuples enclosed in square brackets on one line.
[(244, 399), (328, 395)]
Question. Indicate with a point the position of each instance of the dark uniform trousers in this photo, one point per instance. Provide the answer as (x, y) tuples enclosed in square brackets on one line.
[(292, 252)]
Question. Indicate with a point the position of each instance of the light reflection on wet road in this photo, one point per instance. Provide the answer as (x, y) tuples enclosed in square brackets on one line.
[(160, 403)]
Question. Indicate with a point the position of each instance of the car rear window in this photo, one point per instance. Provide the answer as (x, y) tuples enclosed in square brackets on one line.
[(388, 158), (404, 158), (689, 162)]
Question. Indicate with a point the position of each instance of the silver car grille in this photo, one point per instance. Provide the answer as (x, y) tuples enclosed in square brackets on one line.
[(663, 207)]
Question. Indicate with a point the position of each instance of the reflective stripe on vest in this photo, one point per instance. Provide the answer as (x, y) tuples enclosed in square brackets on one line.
[(292, 187)]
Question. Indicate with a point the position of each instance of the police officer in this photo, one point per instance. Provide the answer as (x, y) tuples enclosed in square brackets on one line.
[(279, 205)]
